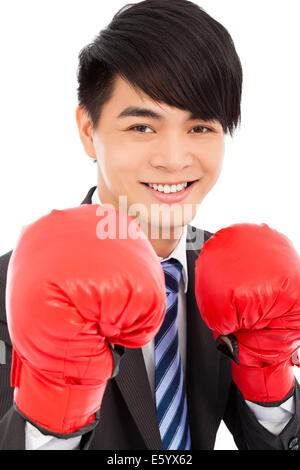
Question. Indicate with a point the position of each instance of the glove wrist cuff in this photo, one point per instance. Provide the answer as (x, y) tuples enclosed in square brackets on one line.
[(266, 386), (53, 406)]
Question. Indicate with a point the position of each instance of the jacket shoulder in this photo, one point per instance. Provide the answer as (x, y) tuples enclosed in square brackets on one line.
[(4, 260), (192, 229), (196, 237)]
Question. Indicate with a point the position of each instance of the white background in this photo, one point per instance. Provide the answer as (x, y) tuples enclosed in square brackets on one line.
[(43, 165)]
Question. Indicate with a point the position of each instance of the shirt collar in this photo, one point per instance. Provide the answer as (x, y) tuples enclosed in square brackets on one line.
[(179, 253)]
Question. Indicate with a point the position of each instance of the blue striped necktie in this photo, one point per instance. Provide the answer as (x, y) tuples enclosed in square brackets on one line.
[(170, 394)]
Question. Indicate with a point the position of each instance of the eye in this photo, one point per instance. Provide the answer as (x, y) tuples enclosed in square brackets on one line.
[(139, 128), (203, 130)]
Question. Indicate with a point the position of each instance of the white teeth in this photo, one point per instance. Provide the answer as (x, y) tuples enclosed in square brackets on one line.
[(167, 188)]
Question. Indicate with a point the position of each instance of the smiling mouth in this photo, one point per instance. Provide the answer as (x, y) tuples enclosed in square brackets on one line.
[(167, 188)]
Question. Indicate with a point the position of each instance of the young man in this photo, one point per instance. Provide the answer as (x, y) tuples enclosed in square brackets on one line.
[(159, 89)]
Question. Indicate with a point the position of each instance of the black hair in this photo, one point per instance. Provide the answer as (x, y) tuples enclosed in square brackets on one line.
[(171, 50)]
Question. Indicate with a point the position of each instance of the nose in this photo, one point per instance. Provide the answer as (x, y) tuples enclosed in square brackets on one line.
[(171, 154)]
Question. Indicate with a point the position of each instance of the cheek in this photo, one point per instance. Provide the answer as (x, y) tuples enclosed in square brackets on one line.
[(128, 155), (115, 158), (212, 159)]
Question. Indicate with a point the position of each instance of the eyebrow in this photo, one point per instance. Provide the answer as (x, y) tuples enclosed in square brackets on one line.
[(145, 112)]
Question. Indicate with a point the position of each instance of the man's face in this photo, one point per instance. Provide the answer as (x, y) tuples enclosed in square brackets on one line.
[(134, 150)]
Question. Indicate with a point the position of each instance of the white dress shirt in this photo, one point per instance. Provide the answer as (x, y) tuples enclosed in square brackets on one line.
[(274, 419)]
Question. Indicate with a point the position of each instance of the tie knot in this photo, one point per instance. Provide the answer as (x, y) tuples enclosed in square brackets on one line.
[(172, 270)]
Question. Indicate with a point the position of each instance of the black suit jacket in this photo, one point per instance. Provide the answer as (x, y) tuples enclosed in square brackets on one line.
[(128, 418)]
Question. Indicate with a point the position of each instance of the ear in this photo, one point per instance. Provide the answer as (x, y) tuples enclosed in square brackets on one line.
[(85, 129)]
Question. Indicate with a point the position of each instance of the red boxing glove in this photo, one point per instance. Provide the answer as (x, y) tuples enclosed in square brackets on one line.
[(69, 294), (247, 286)]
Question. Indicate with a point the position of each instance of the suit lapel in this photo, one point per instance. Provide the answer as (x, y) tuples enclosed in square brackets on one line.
[(133, 383)]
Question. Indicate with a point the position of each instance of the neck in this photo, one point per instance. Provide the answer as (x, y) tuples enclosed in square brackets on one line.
[(164, 247)]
